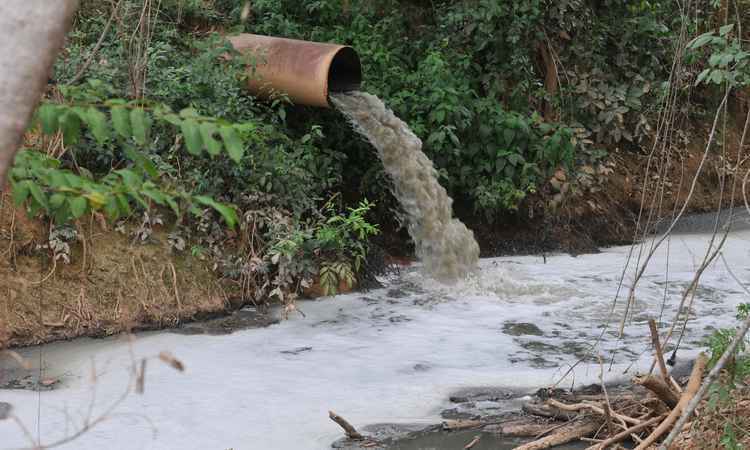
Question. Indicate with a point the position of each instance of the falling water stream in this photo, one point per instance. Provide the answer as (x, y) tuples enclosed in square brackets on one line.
[(445, 246)]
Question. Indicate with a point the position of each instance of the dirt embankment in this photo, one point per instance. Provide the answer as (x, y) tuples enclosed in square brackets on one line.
[(113, 284), (600, 206)]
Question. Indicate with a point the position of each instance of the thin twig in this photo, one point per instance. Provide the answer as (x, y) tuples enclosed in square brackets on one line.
[(97, 47), (607, 405)]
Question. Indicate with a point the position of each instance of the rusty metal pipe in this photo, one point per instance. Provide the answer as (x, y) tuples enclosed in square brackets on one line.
[(305, 71)]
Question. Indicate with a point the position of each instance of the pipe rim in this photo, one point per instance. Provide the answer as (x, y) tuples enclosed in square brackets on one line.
[(344, 72)]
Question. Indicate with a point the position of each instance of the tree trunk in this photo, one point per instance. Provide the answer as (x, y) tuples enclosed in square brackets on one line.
[(550, 82), (31, 34)]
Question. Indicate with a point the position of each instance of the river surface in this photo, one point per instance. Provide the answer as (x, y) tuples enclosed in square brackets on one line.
[(392, 355)]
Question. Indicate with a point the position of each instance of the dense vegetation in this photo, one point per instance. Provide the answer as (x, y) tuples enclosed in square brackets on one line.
[(151, 113)]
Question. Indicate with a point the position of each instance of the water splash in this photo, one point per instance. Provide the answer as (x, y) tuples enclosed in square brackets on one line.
[(445, 246)]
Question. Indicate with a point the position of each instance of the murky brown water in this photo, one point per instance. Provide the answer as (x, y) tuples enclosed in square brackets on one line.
[(444, 245)]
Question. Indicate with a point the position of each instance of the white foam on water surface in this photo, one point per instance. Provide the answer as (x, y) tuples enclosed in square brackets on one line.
[(389, 355)]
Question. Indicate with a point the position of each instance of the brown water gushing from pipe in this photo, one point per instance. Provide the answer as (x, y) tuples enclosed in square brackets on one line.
[(445, 246)]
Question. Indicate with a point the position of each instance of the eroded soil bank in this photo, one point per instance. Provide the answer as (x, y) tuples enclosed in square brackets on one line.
[(111, 284), (602, 204)]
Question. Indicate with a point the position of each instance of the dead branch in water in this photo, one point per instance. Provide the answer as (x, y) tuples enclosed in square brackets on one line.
[(473, 442), (659, 388), (593, 408), (547, 411), (626, 434), (569, 433), (350, 431)]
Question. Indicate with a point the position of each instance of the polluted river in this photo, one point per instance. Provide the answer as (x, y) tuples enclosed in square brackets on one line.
[(389, 356), (391, 360)]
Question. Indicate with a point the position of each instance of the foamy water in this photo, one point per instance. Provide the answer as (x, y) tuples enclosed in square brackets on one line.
[(445, 246), (391, 355)]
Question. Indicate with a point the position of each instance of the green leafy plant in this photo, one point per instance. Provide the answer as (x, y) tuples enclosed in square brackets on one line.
[(133, 121), (723, 393), (344, 236), (728, 62), (332, 274), (342, 241), (66, 196)]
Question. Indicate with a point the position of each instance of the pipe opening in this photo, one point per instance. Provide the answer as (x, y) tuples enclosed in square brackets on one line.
[(345, 73)]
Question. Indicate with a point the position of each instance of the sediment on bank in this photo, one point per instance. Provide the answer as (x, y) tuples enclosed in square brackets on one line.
[(110, 284), (599, 206)]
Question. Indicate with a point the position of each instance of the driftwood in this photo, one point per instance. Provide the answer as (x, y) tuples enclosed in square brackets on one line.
[(455, 425), (547, 411), (593, 408), (569, 433), (350, 431), (660, 388), (692, 387), (522, 428)]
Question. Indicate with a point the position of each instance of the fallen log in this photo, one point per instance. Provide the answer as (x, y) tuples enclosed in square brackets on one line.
[(455, 425), (568, 433)]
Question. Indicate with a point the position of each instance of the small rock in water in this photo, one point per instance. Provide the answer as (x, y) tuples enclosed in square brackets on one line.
[(5, 410), (419, 367), (521, 329)]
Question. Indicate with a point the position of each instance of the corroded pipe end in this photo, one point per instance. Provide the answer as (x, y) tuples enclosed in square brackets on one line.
[(305, 71)]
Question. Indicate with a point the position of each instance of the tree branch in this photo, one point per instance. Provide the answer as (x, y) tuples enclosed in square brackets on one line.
[(33, 32)]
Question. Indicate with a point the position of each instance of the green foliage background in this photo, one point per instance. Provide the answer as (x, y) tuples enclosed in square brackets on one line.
[(466, 75)]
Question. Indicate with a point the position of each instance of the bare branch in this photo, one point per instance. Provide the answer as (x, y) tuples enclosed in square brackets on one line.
[(350, 431)]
